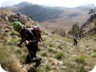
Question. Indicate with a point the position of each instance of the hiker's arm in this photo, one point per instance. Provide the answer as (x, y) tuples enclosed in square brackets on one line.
[(26, 42), (23, 40)]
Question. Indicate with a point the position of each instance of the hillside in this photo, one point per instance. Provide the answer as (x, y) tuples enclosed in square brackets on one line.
[(58, 53), (68, 18), (89, 27)]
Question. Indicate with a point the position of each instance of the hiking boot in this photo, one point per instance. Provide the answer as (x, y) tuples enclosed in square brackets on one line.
[(38, 62)]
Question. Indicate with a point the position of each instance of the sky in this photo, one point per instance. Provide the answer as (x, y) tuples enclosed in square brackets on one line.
[(60, 3)]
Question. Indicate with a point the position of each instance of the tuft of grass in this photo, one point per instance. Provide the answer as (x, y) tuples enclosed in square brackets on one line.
[(51, 45), (93, 54), (3, 56), (80, 59), (59, 55), (13, 33), (44, 68), (81, 69), (94, 50)]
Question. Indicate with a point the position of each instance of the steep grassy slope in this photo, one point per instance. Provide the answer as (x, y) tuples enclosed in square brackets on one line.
[(58, 53), (89, 27)]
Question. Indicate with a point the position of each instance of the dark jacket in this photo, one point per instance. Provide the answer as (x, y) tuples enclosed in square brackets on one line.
[(28, 35)]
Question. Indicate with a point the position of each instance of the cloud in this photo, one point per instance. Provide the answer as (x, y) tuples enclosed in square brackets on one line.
[(64, 3), (1, 2)]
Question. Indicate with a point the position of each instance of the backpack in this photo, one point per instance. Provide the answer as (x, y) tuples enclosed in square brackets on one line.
[(37, 33)]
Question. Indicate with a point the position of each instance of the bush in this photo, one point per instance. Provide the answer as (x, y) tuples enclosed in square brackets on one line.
[(59, 55), (80, 59)]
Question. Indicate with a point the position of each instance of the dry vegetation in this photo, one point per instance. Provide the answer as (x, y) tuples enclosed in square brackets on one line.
[(66, 19)]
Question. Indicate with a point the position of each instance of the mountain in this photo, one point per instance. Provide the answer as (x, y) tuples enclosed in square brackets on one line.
[(23, 4), (37, 12), (89, 27), (86, 6), (54, 16), (66, 19), (40, 13), (69, 17)]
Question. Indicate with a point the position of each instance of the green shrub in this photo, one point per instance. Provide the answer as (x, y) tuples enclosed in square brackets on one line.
[(59, 55), (80, 59)]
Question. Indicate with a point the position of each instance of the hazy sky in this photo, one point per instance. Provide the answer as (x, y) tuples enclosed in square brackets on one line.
[(64, 3)]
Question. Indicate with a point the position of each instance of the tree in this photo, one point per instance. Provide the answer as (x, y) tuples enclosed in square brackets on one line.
[(92, 11), (75, 30)]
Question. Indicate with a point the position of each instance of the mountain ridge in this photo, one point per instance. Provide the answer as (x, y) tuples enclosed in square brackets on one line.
[(54, 16)]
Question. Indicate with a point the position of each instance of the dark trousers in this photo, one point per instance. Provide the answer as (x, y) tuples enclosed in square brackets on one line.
[(75, 41), (32, 50)]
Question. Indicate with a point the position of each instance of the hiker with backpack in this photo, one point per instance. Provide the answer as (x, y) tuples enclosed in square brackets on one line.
[(30, 41)]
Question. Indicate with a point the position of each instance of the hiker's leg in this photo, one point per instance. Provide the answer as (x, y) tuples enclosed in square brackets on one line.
[(35, 58), (38, 60), (76, 42), (32, 52)]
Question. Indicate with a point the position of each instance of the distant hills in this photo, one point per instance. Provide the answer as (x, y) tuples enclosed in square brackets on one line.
[(37, 12), (54, 16)]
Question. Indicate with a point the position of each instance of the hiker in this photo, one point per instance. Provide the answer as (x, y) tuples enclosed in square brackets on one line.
[(30, 42), (75, 40)]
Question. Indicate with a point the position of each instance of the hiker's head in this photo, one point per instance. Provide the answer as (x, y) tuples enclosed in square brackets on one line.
[(17, 26)]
